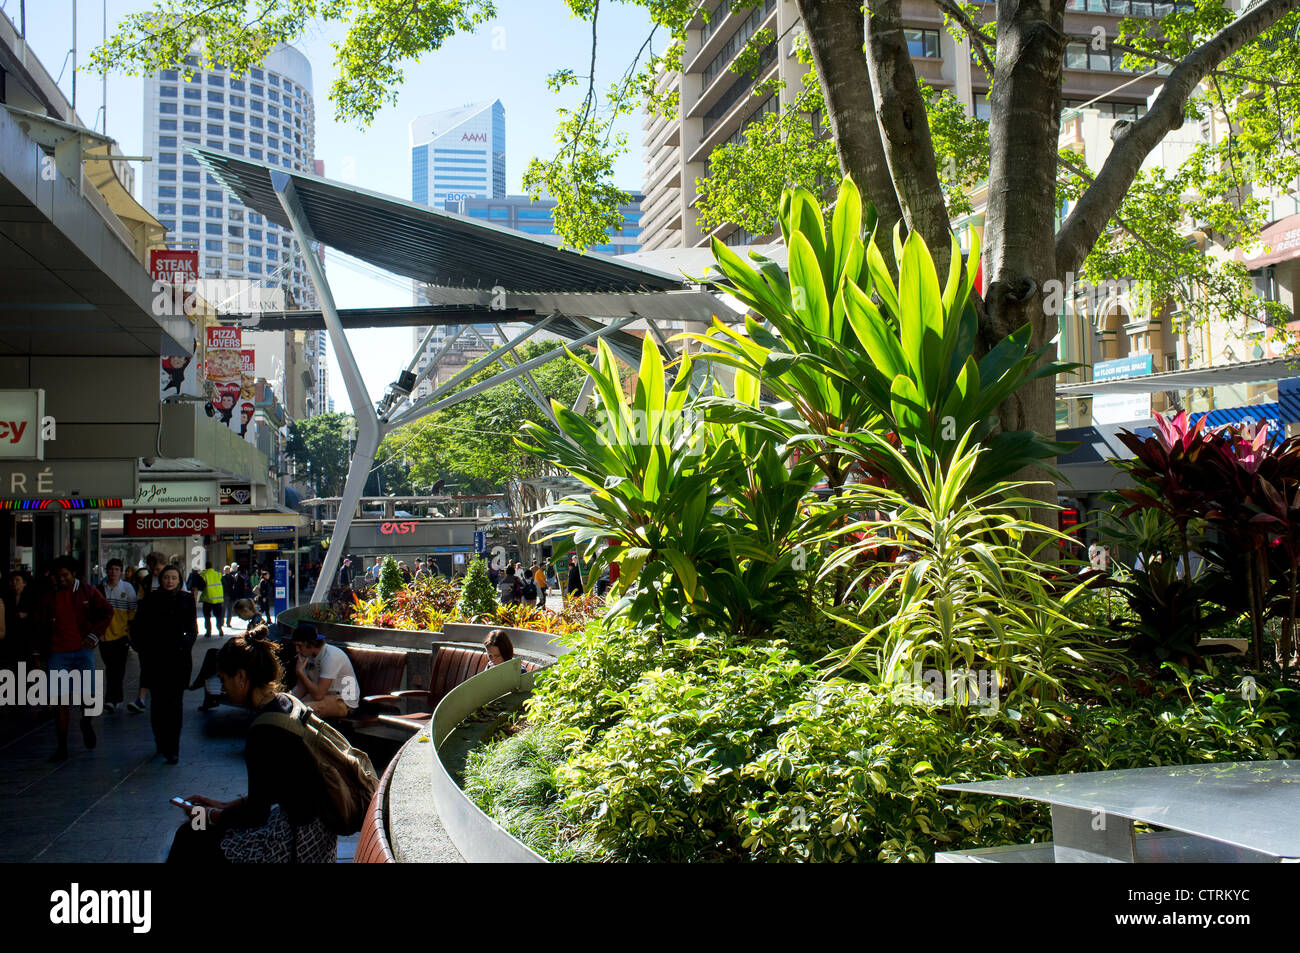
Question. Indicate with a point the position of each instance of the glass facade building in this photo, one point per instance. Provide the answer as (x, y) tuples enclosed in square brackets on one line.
[(459, 153)]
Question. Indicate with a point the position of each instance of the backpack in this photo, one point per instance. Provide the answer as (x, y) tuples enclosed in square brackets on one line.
[(530, 590), (348, 776)]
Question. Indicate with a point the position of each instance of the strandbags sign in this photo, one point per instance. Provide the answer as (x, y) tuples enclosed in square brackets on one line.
[(169, 524)]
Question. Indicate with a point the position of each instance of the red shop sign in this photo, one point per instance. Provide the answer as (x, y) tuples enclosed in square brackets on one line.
[(170, 524), (388, 529)]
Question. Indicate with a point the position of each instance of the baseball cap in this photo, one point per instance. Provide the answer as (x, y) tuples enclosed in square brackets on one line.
[(306, 632)]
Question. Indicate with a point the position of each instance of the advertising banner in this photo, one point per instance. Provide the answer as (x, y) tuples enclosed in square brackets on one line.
[(281, 579), (188, 493), (1121, 408), (236, 494), (174, 266), (21, 416)]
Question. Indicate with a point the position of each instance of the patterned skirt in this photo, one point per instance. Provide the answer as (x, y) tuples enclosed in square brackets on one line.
[(279, 842)]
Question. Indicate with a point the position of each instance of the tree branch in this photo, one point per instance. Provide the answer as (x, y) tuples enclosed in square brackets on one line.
[(979, 39), (1096, 206)]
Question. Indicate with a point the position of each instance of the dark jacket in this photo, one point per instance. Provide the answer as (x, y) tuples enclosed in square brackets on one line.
[(280, 771), (20, 623), (163, 632), (575, 580)]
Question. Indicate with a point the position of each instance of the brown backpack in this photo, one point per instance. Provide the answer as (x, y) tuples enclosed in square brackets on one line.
[(346, 772)]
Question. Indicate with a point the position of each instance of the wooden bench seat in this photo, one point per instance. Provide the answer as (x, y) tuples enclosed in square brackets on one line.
[(452, 664)]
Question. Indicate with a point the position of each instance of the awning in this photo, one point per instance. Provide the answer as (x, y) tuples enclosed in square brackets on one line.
[(1247, 372), (430, 245), (1282, 239), (1270, 413)]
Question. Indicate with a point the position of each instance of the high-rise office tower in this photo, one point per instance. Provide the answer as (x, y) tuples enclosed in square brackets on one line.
[(268, 116), (459, 153)]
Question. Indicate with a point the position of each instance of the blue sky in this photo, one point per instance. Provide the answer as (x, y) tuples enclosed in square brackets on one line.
[(507, 60)]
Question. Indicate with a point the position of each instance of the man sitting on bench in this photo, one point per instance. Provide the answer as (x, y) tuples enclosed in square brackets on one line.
[(325, 678)]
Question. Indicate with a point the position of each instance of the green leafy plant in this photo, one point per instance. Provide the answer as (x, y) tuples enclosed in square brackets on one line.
[(478, 597), (818, 339), (972, 595), (390, 579)]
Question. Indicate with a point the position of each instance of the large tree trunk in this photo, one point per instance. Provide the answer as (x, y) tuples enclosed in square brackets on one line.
[(905, 129), (836, 39), (1020, 222)]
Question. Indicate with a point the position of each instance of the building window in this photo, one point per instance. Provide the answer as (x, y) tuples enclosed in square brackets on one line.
[(190, 177), (235, 231), (190, 195), (236, 264), (167, 158), (254, 234), (215, 195), (982, 108), (167, 125), (214, 262), (272, 142), (272, 79), (167, 192), (190, 210), (213, 228), (216, 129), (168, 91), (273, 96), (168, 74), (255, 153), (272, 255), (236, 116), (922, 43), (236, 84), (195, 111), (235, 149), (236, 248), (256, 74), (255, 137), (192, 126), (190, 228), (255, 251), (236, 214), (167, 142), (166, 208), (255, 122), (236, 133), (167, 108), (272, 111), (216, 97), (254, 267), (256, 106), (214, 211), (254, 219), (192, 92), (167, 224), (212, 244), (273, 127), (215, 80)]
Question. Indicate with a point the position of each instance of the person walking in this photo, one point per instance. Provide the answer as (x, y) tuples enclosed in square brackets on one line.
[(539, 580), (20, 619), (212, 596), (116, 645), (264, 593), (163, 632), (73, 620), (227, 596), (575, 578)]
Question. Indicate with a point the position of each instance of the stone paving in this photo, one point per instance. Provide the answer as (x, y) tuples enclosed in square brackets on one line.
[(111, 804)]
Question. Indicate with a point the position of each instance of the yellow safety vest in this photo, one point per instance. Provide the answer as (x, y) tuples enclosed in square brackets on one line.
[(213, 591)]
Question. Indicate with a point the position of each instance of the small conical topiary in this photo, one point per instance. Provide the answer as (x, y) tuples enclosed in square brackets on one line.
[(478, 597), (390, 578)]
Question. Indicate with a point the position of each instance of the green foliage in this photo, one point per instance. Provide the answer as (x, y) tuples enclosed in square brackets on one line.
[(818, 339), (703, 751), (478, 597), (974, 595), (320, 448), (390, 579), (701, 517)]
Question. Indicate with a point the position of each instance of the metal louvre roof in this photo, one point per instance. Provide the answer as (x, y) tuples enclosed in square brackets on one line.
[(1248, 372), (427, 244)]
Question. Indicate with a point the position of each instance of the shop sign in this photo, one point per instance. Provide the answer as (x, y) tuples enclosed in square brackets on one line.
[(236, 494), (155, 493), (169, 524), (67, 479), (21, 416)]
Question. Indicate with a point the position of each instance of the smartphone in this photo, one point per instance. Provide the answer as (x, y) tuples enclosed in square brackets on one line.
[(181, 802)]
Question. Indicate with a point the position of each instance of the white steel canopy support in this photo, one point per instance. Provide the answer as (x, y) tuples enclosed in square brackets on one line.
[(363, 410)]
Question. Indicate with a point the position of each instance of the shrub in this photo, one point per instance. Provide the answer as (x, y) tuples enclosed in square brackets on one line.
[(390, 579), (478, 597)]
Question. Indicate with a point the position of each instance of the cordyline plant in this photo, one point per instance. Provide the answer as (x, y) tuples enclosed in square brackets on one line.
[(1246, 486), (854, 347)]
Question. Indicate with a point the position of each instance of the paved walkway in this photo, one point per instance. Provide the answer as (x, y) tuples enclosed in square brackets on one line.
[(111, 804)]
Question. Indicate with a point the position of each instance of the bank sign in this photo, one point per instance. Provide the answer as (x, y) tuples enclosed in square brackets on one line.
[(21, 416)]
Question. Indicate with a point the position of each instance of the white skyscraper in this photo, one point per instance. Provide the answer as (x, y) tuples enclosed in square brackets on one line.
[(459, 153), (269, 116)]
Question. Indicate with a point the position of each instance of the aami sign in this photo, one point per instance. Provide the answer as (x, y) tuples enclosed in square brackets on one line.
[(474, 137)]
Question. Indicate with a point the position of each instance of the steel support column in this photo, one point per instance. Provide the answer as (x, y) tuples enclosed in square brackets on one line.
[(368, 434)]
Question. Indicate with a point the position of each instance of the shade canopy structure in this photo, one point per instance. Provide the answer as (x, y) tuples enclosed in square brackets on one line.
[(477, 275), (427, 244), (1249, 372)]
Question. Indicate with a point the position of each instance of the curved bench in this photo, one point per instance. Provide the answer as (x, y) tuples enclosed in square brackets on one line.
[(374, 846)]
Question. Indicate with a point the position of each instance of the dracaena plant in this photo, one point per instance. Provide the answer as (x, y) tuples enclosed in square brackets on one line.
[(702, 518), (971, 595), (854, 348)]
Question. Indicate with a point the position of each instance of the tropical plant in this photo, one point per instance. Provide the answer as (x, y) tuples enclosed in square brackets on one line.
[(818, 339), (478, 597), (700, 518), (1170, 612), (970, 595), (390, 579)]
